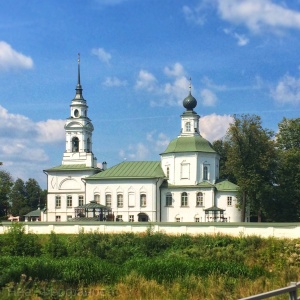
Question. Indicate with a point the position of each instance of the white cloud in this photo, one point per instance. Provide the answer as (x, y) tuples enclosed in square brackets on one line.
[(102, 55), (158, 142), (134, 152), (176, 91), (242, 40), (146, 81), (258, 15), (287, 90), (51, 131), (214, 127), (209, 98), (175, 71), (114, 81), (11, 59), (23, 140)]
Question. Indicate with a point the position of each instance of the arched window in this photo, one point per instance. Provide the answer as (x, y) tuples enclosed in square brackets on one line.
[(75, 144), (187, 126), (97, 198), (205, 173), (88, 145), (108, 200), (184, 199), (120, 200), (199, 199), (168, 172), (143, 200), (169, 199)]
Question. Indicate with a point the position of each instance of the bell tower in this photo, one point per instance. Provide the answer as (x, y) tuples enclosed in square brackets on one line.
[(79, 129)]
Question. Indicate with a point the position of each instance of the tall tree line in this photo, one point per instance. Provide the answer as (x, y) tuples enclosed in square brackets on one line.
[(19, 197), (265, 166)]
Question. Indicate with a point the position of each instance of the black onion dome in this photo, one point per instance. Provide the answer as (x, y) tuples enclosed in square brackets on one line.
[(189, 102)]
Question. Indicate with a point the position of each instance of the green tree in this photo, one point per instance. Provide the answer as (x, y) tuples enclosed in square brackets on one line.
[(288, 171), (34, 194), (251, 158), (221, 147), (18, 198), (6, 183)]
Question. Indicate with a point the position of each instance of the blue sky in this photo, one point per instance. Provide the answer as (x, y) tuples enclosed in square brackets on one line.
[(136, 60)]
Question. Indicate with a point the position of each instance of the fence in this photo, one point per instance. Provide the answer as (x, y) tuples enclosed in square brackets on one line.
[(292, 290)]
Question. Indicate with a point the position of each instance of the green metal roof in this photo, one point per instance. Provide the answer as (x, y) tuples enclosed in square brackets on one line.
[(203, 184), (214, 208), (93, 205), (34, 213), (132, 169), (189, 144), (226, 186), (74, 167)]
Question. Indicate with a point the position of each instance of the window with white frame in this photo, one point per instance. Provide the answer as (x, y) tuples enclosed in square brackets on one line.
[(169, 199), (184, 199), (188, 127), (120, 200), (131, 218), (108, 200), (69, 201), (80, 200), (57, 218), (57, 201), (199, 199), (119, 218), (69, 217), (143, 199), (177, 219), (229, 201), (97, 198), (197, 220)]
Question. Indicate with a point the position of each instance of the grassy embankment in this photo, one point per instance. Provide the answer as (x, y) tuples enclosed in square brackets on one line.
[(143, 266)]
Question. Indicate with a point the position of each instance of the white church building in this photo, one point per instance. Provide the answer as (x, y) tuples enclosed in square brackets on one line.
[(184, 186)]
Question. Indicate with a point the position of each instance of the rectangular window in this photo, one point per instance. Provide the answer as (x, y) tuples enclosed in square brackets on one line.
[(120, 200), (177, 219), (229, 201), (131, 199), (57, 219), (69, 218), (57, 201), (69, 201), (131, 218), (80, 200), (169, 201), (197, 220), (143, 200), (108, 200), (119, 218), (199, 200)]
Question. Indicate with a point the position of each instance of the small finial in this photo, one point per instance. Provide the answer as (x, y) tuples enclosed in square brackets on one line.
[(79, 58)]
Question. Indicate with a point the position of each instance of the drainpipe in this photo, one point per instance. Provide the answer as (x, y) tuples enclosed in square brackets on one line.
[(84, 182), (156, 201), (47, 196)]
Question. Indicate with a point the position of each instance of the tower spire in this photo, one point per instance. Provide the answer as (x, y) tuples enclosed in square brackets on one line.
[(78, 87), (190, 86)]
